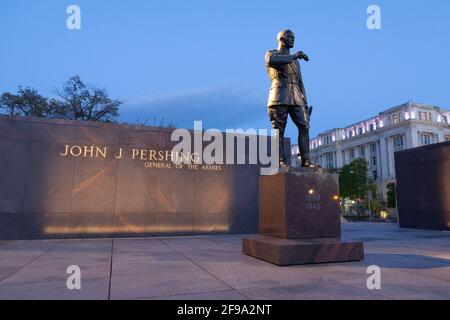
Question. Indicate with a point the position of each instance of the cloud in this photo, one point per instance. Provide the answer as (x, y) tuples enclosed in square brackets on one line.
[(219, 108)]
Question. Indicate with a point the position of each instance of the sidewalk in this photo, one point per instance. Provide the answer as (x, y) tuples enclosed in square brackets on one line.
[(415, 265)]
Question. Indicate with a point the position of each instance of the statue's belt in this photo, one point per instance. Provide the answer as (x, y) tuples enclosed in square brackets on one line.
[(276, 82)]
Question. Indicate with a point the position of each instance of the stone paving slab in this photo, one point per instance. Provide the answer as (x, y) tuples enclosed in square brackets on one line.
[(220, 295), (312, 290), (415, 264), (91, 289)]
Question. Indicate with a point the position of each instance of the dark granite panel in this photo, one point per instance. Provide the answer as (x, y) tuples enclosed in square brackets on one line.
[(98, 135), (244, 204), (112, 225), (91, 225), (10, 224), (94, 185), (244, 222), (176, 223), (137, 189), (14, 129), (49, 179), (423, 187), (175, 192), (212, 194), (141, 138), (244, 184), (13, 164), (41, 225), (272, 205), (165, 141), (82, 196), (54, 132)]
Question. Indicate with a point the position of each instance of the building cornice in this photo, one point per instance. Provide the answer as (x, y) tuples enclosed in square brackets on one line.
[(408, 105), (403, 123)]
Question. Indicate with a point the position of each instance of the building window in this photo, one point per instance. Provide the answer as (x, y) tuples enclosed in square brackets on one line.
[(375, 174), (362, 151), (425, 116), (361, 131), (330, 160), (373, 148), (373, 161), (426, 138), (398, 143), (371, 127), (352, 154), (394, 119)]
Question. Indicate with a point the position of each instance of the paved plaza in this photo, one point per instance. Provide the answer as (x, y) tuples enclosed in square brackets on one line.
[(415, 264)]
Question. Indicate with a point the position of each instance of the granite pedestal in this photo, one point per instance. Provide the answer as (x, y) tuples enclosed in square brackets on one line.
[(299, 218)]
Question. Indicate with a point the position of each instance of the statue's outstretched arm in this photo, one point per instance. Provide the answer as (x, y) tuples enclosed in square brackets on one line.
[(274, 60)]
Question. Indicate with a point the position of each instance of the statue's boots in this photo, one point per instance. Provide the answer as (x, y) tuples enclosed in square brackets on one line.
[(303, 143), (282, 155)]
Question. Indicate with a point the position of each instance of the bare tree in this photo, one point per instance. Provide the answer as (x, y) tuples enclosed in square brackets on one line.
[(77, 101), (81, 102)]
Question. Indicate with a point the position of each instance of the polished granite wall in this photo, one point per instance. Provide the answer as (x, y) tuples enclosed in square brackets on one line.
[(423, 187), (46, 195)]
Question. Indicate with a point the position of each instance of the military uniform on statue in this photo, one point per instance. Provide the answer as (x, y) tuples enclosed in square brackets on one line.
[(287, 95)]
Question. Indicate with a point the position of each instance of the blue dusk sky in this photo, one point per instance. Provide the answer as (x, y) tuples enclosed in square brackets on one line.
[(204, 60)]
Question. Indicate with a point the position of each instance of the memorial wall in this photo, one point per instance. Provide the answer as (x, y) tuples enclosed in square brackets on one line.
[(73, 179), (423, 187)]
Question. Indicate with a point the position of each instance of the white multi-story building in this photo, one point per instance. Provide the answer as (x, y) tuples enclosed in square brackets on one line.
[(377, 139)]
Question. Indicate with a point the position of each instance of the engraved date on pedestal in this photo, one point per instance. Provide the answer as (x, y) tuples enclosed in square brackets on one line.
[(313, 202)]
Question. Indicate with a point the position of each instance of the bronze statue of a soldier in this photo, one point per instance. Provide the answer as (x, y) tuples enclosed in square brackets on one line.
[(287, 95)]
